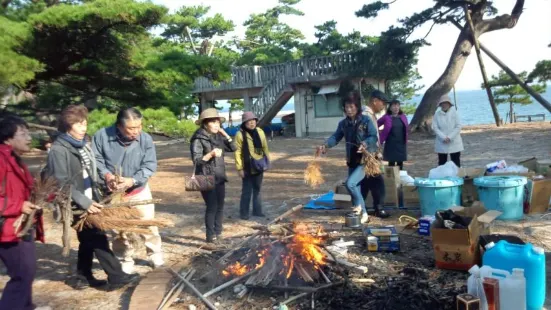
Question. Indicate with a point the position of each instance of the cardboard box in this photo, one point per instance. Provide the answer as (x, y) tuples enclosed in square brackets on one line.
[(540, 196), (410, 195), (458, 249), (469, 193), (424, 225), (531, 164), (391, 178), (382, 239), (342, 201), (544, 167), (468, 302)]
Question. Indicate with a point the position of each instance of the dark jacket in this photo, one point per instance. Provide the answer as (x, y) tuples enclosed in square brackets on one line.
[(202, 143), (64, 163), (16, 184), (356, 132)]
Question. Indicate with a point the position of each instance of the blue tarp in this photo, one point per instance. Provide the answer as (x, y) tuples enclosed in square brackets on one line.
[(327, 198)]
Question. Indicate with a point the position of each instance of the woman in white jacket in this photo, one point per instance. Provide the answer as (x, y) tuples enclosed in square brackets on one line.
[(447, 127)]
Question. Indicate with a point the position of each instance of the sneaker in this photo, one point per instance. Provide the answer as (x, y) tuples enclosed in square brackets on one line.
[(365, 218), (382, 214), (212, 239), (81, 282), (127, 267), (357, 209)]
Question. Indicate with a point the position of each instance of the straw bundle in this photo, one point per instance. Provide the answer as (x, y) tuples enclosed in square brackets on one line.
[(372, 164), (312, 174)]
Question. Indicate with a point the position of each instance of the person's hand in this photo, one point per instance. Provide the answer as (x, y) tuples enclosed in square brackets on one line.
[(241, 173), (111, 181), (94, 208), (125, 183), (361, 149), (224, 133), (29, 207), (447, 140), (217, 152), (322, 149)]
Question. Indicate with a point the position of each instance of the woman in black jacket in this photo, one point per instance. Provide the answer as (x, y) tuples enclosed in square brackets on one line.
[(208, 145), (71, 161)]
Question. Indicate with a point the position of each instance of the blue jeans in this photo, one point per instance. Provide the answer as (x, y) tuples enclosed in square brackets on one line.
[(354, 182)]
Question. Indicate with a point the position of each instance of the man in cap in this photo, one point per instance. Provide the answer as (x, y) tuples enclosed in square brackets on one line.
[(376, 184)]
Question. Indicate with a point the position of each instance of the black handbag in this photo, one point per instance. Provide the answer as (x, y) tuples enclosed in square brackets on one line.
[(199, 183)]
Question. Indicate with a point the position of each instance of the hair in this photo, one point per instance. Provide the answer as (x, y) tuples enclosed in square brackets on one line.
[(348, 94), (395, 101), (71, 115), (9, 126), (128, 114)]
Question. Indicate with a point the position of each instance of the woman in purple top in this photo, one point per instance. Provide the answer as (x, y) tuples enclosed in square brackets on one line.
[(394, 135)]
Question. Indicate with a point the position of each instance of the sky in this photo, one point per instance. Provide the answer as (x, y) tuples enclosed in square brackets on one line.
[(520, 48)]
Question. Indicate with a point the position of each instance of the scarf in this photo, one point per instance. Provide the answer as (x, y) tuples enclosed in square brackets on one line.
[(257, 144), (123, 139), (74, 142)]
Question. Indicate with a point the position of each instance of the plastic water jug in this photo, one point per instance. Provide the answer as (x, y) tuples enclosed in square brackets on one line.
[(474, 286), (512, 295), (507, 256)]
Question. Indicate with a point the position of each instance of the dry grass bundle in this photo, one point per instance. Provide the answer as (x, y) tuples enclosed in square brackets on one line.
[(139, 226), (372, 164), (312, 174), (123, 213)]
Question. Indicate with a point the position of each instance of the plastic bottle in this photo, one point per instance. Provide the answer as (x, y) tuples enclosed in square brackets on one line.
[(513, 296), (474, 286), (506, 256)]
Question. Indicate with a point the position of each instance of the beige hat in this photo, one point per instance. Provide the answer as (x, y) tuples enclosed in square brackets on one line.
[(209, 113)]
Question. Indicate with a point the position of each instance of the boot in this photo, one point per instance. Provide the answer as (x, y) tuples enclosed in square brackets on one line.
[(380, 213)]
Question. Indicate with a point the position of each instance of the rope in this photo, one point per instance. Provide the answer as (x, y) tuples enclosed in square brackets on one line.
[(454, 98)]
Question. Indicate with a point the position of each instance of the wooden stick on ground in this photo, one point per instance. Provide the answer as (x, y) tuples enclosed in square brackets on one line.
[(194, 289), (229, 283), (169, 295), (290, 300)]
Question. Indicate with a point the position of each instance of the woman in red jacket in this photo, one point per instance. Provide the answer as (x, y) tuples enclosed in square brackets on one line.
[(18, 254)]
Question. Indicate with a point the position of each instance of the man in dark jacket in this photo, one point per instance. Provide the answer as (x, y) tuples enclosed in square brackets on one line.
[(126, 159)]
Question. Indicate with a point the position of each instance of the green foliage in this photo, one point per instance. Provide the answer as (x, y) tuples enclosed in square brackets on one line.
[(267, 39), (542, 71), (505, 90), (404, 89), (158, 121), (235, 105)]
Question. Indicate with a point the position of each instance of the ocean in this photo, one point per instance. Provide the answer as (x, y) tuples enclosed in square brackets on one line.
[(473, 106)]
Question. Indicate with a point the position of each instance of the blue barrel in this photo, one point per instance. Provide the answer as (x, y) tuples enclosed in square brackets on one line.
[(502, 193), (438, 194)]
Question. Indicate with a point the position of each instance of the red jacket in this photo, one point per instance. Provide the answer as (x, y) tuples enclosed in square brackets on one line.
[(19, 183)]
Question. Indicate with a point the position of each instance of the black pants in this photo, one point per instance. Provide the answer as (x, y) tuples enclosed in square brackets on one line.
[(396, 163), (93, 241), (252, 184), (443, 158), (20, 260), (375, 185), (214, 199)]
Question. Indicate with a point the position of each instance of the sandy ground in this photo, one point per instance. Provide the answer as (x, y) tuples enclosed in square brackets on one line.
[(283, 188)]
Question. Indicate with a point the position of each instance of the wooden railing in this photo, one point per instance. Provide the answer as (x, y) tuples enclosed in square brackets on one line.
[(302, 70), (269, 94)]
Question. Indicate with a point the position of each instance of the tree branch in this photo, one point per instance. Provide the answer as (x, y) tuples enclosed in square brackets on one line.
[(501, 22)]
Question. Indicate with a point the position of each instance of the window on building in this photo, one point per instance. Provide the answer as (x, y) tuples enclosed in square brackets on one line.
[(327, 106)]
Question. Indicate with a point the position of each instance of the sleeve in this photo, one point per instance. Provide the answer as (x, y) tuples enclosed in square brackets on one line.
[(149, 163), (229, 146), (387, 121), (265, 148), (58, 167), (239, 151), (336, 137), (97, 149), (436, 127), (371, 140), (13, 206), (457, 128), (381, 121), (197, 152)]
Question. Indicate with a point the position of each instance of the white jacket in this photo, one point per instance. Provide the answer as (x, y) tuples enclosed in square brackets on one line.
[(447, 125)]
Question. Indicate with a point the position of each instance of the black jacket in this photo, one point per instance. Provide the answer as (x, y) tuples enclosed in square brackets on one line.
[(64, 163), (202, 143)]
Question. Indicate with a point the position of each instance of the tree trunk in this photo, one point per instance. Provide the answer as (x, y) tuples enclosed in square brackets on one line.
[(511, 111), (422, 119)]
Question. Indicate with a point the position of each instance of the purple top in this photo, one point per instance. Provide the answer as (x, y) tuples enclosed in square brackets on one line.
[(386, 120)]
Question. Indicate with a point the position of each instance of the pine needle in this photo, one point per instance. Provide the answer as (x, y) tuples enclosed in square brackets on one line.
[(313, 175), (372, 165)]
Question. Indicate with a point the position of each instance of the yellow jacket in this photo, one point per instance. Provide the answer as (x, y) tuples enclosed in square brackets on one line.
[(239, 145)]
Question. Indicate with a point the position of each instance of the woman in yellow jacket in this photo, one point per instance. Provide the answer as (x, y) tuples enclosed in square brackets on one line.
[(251, 160)]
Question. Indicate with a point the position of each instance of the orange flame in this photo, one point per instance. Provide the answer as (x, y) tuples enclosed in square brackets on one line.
[(235, 269), (306, 245)]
